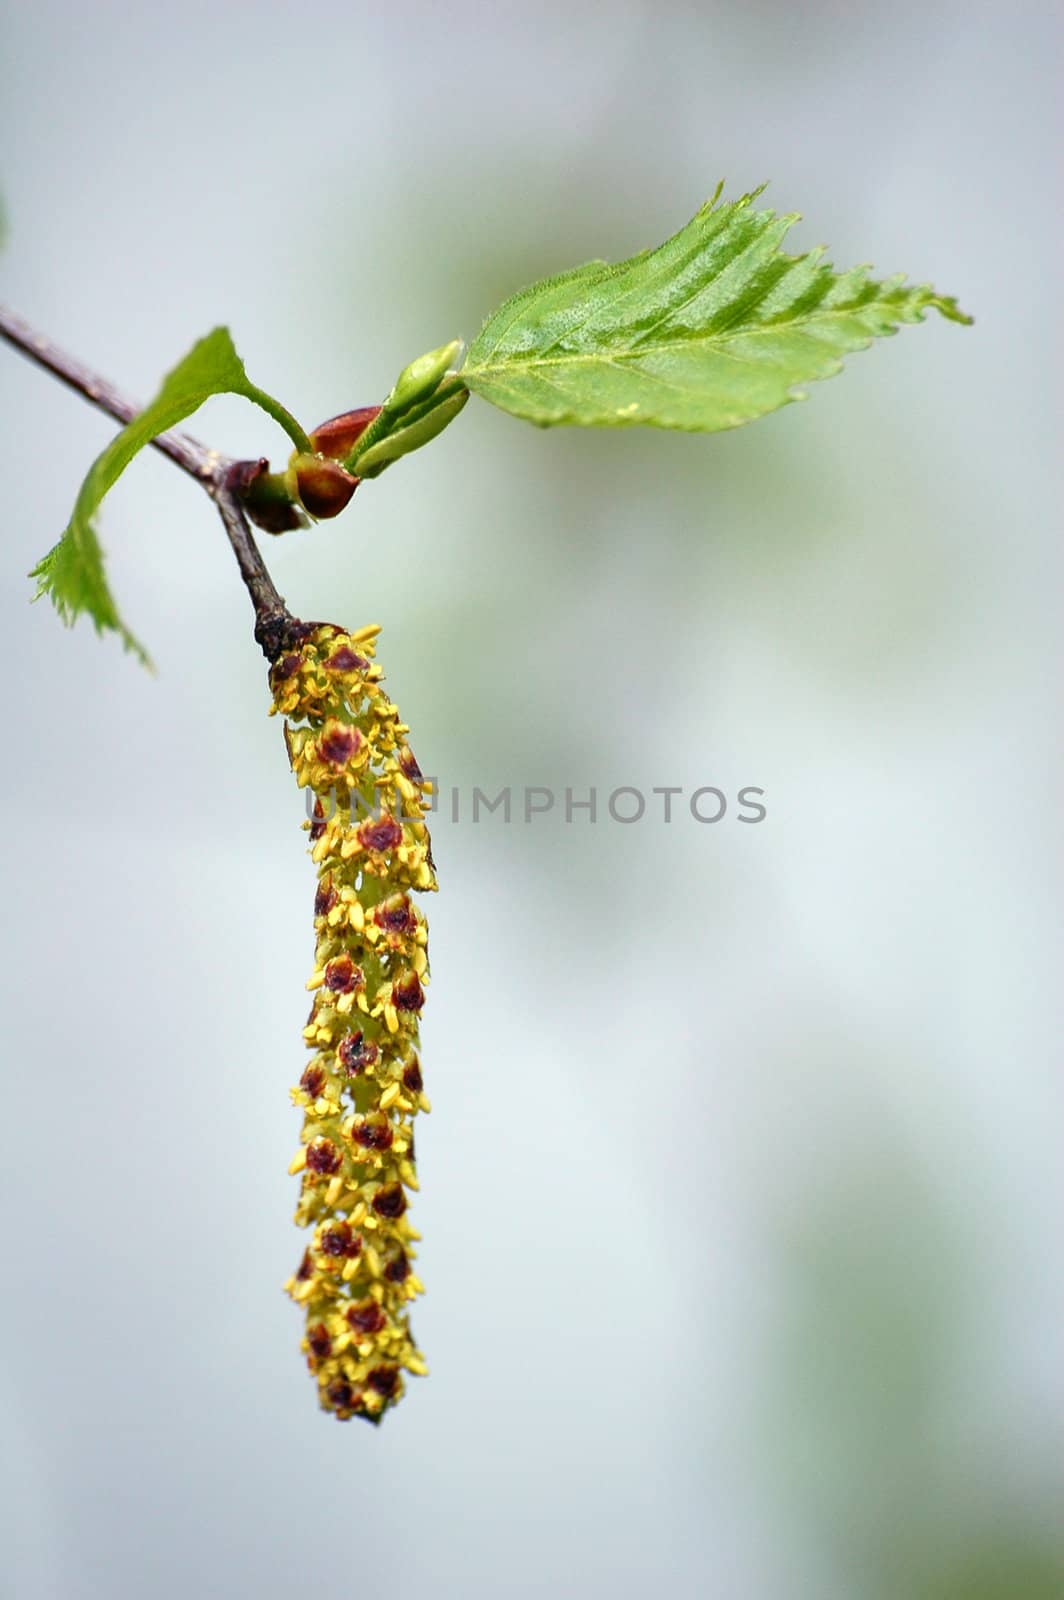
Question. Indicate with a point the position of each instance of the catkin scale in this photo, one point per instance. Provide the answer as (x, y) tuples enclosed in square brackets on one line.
[(362, 1086)]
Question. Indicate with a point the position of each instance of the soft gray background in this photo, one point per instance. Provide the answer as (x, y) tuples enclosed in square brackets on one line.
[(738, 1194)]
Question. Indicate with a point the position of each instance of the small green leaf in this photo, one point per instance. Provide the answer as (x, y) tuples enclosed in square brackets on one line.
[(72, 573), (710, 330)]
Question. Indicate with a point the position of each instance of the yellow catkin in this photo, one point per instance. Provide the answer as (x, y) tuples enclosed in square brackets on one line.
[(362, 1086)]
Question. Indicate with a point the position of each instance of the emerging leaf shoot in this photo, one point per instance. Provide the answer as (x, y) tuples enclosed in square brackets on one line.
[(717, 326)]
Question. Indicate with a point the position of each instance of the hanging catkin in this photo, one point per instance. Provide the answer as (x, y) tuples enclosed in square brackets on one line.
[(362, 1086)]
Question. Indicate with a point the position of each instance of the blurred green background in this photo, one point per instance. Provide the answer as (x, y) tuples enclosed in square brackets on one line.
[(740, 1194)]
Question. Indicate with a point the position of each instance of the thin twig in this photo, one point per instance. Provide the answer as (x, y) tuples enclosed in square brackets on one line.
[(188, 454), (222, 478), (274, 623)]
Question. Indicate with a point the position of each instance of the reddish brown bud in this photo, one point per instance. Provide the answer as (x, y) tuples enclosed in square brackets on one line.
[(266, 496), (313, 1080), (367, 1317), (342, 976), (372, 1134), (385, 1380), (412, 1078), (338, 437), (408, 764), (338, 743), (341, 1395), (317, 826), (325, 898), (286, 668), (407, 993), (305, 1268), (341, 1240), (398, 1269), (390, 1201), (383, 833), (396, 914), (356, 1053), (323, 1157), (344, 659), (319, 1340), (324, 486)]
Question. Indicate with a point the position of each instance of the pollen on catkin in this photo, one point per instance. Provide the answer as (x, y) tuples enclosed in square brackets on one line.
[(362, 1086)]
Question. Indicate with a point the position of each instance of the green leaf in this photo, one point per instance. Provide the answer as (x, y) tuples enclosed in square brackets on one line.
[(72, 573), (72, 576), (710, 330)]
